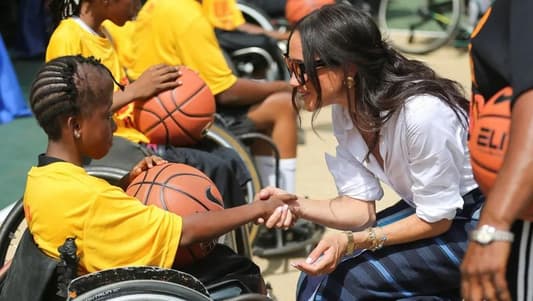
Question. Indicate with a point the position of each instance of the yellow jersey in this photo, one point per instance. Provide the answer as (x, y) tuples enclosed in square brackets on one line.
[(73, 37), (111, 228), (176, 32), (223, 14)]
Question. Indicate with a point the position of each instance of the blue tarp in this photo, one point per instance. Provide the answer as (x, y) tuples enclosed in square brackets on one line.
[(12, 102)]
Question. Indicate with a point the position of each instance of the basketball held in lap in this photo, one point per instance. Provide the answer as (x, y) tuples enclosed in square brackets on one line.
[(183, 190), (179, 116)]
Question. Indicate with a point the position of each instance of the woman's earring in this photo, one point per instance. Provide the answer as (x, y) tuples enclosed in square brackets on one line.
[(77, 135), (349, 82)]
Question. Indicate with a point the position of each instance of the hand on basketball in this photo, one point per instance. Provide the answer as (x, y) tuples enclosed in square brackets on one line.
[(155, 80), (145, 164)]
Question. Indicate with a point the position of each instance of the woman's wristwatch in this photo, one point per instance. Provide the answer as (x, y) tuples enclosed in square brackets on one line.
[(487, 234), (350, 247)]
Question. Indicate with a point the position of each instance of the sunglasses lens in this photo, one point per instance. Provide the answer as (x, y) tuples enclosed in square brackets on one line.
[(295, 67)]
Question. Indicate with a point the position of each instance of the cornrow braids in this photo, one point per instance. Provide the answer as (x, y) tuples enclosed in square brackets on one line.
[(60, 91), (62, 9)]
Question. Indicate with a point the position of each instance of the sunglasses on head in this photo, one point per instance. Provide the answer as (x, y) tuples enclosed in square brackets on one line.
[(297, 68)]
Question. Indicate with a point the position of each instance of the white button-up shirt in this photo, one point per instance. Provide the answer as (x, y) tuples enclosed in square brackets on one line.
[(425, 157)]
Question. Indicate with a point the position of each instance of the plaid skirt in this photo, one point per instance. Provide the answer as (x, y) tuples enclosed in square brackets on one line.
[(426, 269)]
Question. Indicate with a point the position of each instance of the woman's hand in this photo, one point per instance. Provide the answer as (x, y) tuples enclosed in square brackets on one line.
[(145, 164), (325, 257), (153, 81), (483, 272), (282, 217)]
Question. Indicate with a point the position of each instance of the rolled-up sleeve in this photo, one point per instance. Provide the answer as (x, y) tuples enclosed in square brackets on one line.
[(352, 178), (435, 154)]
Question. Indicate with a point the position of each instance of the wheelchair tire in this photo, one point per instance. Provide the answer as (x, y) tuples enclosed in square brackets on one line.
[(11, 231), (422, 26), (223, 137), (137, 290)]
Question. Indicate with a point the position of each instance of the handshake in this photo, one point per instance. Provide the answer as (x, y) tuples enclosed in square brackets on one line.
[(281, 209)]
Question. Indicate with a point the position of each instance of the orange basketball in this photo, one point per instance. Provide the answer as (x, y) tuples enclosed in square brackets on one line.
[(489, 136), (179, 116), (297, 9), (490, 124), (183, 190)]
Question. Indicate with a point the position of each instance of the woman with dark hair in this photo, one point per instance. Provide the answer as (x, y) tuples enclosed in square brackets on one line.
[(397, 122)]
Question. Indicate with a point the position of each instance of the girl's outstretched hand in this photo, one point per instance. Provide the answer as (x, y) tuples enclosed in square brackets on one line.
[(145, 164), (282, 217), (325, 257)]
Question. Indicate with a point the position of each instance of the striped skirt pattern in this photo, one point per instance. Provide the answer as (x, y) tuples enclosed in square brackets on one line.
[(427, 269)]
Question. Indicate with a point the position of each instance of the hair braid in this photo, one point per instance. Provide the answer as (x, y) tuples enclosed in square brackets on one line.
[(62, 9), (54, 92)]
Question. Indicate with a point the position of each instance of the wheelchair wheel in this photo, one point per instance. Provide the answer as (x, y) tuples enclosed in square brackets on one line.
[(223, 137), (137, 290), (11, 232), (420, 26)]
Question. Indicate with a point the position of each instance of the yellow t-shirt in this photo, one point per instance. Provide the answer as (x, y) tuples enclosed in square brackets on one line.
[(178, 33), (223, 14), (120, 37), (111, 228), (70, 38)]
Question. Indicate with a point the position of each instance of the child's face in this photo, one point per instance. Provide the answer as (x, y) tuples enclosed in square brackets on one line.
[(121, 11), (98, 126)]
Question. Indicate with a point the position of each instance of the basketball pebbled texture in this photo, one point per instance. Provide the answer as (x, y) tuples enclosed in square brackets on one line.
[(178, 116), (183, 190)]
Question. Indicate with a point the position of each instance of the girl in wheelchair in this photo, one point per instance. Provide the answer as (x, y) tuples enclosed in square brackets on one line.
[(71, 99), (82, 28)]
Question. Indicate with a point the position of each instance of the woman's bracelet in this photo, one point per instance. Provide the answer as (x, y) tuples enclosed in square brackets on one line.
[(375, 242)]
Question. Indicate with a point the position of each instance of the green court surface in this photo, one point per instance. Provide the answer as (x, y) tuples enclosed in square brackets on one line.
[(22, 141)]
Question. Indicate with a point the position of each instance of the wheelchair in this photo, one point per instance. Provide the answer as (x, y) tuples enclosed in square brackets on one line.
[(256, 62), (32, 275)]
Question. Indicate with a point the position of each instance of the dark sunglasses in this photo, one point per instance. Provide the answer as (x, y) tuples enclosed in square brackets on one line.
[(297, 68)]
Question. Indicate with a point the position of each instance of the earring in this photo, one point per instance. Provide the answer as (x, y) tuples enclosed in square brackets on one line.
[(77, 135), (349, 82)]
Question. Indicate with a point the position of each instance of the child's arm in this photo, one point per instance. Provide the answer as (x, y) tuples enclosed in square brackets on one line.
[(154, 80), (205, 226)]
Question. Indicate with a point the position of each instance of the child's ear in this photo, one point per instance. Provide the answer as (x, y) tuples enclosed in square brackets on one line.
[(74, 126)]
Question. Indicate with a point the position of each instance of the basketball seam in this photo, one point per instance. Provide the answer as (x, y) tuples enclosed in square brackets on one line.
[(482, 165), (178, 109)]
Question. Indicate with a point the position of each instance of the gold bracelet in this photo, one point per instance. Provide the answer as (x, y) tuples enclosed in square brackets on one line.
[(350, 246), (375, 243)]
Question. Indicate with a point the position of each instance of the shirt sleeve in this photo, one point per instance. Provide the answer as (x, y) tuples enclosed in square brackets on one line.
[(435, 153), (121, 231), (63, 42), (210, 62), (352, 178)]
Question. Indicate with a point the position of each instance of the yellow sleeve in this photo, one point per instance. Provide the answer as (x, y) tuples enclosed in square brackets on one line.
[(121, 231), (63, 42), (223, 14), (210, 62)]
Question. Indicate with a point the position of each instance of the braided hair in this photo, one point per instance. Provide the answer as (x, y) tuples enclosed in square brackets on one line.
[(60, 89), (62, 9)]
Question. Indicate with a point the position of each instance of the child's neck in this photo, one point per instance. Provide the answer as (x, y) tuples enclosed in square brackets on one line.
[(92, 21), (64, 151)]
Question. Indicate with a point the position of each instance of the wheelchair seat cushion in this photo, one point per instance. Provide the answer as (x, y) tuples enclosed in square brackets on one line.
[(32, 275)]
